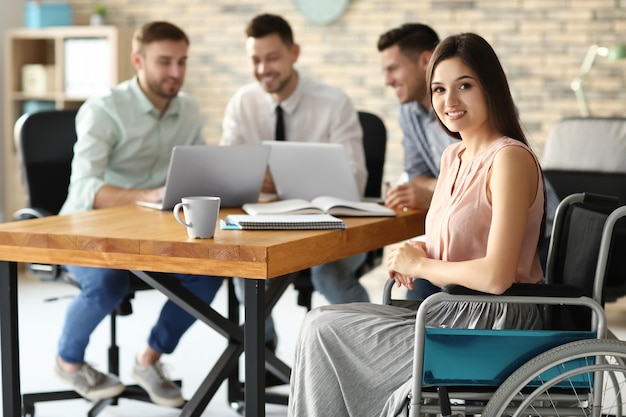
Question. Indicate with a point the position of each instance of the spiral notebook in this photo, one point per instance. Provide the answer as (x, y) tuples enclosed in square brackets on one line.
[(289, 222)]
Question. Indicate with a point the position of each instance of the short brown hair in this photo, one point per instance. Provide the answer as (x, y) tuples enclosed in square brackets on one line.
[(412, 39), (267, 24), (157, 31)]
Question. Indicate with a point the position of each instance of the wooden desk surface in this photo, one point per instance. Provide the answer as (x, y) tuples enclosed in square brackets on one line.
[(133, 237)]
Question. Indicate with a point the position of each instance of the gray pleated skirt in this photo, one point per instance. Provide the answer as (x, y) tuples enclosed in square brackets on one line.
[(356, 359)]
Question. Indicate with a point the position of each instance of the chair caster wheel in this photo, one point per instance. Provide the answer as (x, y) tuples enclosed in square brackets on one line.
[(28, 410), (238, 406)]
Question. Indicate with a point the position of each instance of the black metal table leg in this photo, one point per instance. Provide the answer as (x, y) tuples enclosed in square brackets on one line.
[(254, 343), (9, 340), (273, 292)]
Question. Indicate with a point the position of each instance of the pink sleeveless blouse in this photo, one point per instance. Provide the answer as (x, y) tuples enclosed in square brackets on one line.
[(458, 221)]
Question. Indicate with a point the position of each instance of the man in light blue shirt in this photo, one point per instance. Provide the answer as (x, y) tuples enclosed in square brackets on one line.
[(125, 139), (405, 52), (124, 146)]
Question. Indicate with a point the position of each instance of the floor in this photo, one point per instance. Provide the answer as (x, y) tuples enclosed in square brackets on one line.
[(42, 307)]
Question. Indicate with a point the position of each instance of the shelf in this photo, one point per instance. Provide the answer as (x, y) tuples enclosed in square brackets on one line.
[(67, 32), (19, 96), (47, 46)]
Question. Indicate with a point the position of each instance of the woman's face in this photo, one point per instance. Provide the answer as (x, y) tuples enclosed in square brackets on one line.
[(458, 98)]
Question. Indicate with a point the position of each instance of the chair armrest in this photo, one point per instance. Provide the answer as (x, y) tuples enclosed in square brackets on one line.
[(524, 290), (43, 272), (30, 213)]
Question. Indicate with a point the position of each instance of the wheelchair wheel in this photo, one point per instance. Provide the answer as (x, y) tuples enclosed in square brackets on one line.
[(562, 383)]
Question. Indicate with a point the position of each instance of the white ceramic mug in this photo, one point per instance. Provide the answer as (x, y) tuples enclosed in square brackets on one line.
[(201, 215)]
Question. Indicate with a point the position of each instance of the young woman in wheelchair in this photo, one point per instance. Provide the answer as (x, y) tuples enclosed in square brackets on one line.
[(482, 232)]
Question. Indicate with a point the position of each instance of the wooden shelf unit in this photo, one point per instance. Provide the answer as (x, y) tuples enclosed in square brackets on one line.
[(47, 46)]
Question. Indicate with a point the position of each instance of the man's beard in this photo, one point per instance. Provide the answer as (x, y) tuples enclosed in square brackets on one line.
[(281, 86), (163, 92)]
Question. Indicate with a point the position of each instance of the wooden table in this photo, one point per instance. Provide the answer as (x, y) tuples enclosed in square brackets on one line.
[(147, 241)]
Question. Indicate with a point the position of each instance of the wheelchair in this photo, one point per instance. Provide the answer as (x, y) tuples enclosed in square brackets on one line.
[(573, 366)]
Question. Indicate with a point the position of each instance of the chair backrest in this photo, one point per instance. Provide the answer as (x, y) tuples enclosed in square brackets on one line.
[(45, 142), (584, 250), (587, 154), (375, 146)]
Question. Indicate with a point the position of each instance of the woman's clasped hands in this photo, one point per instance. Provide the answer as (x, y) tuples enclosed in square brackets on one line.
[(403, 262)]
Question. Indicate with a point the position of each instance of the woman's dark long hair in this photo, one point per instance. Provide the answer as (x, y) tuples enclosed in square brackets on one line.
[(477, 54)]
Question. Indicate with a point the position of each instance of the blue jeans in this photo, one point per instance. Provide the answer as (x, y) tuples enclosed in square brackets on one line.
[(335, 280), (103, 289), (422, 288)]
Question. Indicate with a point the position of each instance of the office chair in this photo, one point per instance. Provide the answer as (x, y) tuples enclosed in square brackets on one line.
[(45, 142), (588, 154), (375, 146)]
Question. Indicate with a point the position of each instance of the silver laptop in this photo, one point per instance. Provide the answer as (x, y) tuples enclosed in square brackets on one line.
[(308, 170), (233, 173)]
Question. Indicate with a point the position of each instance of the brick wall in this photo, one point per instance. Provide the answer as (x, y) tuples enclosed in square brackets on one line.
[(541, 44)]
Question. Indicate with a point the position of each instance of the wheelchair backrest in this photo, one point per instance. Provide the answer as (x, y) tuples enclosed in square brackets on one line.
[(574, 255)]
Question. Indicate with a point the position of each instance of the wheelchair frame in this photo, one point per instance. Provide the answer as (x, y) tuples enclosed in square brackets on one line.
[(417, 407), (513, 394)]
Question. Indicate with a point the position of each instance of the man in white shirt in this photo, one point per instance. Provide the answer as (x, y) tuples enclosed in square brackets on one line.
[(310, 111), (313, 111)]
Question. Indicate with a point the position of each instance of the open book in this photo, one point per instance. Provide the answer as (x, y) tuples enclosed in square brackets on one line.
[(320, 205), (273, 222)]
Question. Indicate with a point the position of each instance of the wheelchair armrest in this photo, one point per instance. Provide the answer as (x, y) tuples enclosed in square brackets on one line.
[(537, 290), (524, 290), (461, 290), (30, 213)]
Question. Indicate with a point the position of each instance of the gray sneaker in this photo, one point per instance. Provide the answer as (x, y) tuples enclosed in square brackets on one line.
[(161, 390), (90, 383)]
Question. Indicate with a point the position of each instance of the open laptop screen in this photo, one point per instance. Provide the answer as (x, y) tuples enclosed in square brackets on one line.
[(311, 169), (233, 173)]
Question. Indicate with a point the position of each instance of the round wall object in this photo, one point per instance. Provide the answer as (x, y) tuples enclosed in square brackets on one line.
[(322, 11)]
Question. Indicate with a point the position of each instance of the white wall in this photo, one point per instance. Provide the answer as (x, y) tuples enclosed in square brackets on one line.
[(11, 15)]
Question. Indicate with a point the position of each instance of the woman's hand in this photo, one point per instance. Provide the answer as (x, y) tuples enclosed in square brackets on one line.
[(403, 260), (414, 195)]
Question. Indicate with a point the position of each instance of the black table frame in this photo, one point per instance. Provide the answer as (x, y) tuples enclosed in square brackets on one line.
[(248, 339)]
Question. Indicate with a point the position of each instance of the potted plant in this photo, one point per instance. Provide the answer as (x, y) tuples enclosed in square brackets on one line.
[(97, 17)]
